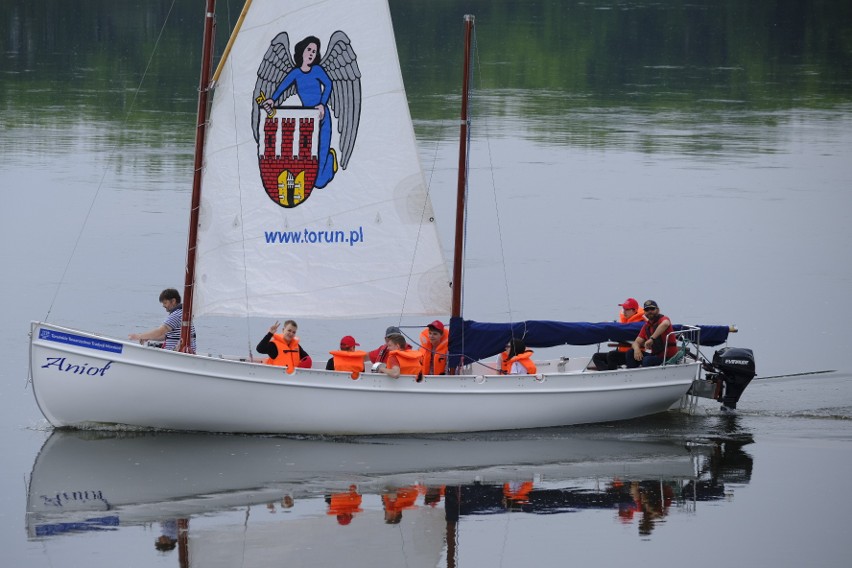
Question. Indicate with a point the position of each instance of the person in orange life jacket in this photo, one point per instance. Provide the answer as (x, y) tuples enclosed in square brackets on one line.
[(347, 358), (283, 349), (380, 354), (518, 359), (401, 361), (434, 346), (654, 338), (611, 360)]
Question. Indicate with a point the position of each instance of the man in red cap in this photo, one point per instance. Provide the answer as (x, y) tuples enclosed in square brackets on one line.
[(347, 358), (611, 360), (435, 345)]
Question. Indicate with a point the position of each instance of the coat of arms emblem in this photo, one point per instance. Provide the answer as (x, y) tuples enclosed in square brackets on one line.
[(295, 99)]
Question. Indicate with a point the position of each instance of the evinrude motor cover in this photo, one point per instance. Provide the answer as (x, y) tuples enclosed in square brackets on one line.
[(734, 367)]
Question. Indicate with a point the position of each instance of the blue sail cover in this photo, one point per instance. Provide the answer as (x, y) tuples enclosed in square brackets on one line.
[(475, 341)]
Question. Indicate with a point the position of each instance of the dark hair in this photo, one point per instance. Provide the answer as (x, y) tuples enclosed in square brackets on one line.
[(516, 347), (299, 51), (169, 294), (397, 340)]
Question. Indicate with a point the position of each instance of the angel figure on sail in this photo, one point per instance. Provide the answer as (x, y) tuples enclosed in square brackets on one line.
[(331, 82)]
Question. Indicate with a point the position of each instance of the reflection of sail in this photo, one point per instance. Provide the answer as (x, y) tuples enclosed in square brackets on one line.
[(251, 500), (144, 477)]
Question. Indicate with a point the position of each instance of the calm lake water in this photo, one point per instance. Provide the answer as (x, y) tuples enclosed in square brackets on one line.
[(697, 155)]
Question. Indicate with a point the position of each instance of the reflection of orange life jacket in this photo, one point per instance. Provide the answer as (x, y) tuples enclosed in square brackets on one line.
[(349, 502), (638, 316), (349, 360), (404, 498), (288, 353), (525, 361), (437, 356), (518, 493), (410, 362)]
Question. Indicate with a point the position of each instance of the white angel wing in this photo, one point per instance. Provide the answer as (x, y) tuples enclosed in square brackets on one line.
[(274, 67), (339, 62)]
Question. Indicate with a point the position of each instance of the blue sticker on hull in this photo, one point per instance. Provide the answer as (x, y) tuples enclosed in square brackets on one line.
[(79, 340)]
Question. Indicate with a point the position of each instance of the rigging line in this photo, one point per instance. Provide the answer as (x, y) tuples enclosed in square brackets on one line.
[(110, 157), (496, 206)]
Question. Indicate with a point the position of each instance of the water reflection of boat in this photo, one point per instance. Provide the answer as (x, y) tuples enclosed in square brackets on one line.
[(95, 481)]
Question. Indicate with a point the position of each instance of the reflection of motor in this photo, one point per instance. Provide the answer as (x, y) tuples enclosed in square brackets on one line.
[(732, 370)]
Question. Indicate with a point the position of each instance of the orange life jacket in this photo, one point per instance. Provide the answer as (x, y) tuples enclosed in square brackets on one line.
[(505, 366), (436, 355), (349, 360), (525, 360), (288, 353), (638, 316), (410, 362)]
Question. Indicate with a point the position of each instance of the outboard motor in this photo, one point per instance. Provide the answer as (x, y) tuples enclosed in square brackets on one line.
[(732, 370)]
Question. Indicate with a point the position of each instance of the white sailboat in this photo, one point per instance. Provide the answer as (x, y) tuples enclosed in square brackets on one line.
[(296, 194)]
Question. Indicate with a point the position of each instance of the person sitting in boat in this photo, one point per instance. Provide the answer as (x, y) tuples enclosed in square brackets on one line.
[(347, 358), (611, 360), (401, 361), (655, 343), (434, 347), (169, 331), (283, 349), (380, 354), (517, 359)]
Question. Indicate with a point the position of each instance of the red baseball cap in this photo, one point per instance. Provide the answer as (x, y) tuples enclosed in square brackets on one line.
[(436, 325), (348, 341), (630, 304)]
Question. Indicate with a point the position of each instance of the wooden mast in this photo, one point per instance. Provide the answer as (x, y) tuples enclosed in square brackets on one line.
[(200, 129), (458, 254)]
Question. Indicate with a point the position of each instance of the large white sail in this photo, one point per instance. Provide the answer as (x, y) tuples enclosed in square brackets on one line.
[(346, 232)]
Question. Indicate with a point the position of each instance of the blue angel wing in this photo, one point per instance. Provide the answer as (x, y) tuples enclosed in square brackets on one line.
[(341, 65), (276, 63)]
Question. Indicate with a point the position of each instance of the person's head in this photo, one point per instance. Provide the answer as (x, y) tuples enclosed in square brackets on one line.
[(164, 543), (169, 298), (436, 331), (516, 347), (344, 518), (630, 306), (652, 310), (392, 330), (396, 342), (348, 343), (393, 517), (289, 330), (307, 51)]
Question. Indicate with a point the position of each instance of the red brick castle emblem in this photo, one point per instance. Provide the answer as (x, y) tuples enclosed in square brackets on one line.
[(287, 155)]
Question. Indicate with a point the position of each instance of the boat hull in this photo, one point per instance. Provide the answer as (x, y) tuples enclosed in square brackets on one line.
[(82, 380)]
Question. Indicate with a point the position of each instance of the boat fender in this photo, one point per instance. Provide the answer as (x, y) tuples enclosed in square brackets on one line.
[(355, 375)]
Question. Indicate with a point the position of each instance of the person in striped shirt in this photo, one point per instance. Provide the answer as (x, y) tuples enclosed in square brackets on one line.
[(169, 330)]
